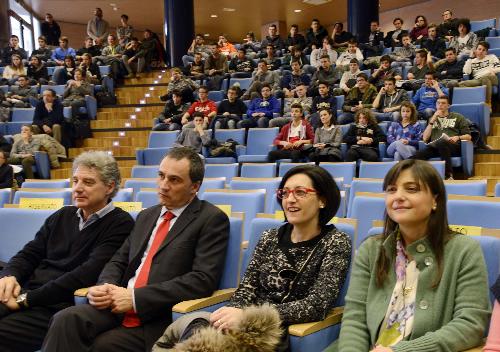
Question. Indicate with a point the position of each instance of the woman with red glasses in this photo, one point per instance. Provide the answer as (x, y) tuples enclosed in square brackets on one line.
[(297, 269)]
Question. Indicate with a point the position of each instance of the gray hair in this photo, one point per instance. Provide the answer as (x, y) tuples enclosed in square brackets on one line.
[(105, 165)]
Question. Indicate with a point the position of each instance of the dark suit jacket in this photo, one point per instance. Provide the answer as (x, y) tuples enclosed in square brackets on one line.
[(188, 264)]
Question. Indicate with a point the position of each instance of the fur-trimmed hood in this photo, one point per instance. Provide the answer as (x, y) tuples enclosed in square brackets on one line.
[(258, 331)]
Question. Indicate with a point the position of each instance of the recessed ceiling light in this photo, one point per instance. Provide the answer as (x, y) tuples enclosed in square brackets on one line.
[(297, 10), (112, 4), (228, 9), (115, 8), (206, 35), (213, 16)]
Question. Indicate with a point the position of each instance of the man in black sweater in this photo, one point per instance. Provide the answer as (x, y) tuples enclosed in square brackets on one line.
[(229, 112), (434, 44), (49, 116), (171, 116), (450, 71), (68, 253)]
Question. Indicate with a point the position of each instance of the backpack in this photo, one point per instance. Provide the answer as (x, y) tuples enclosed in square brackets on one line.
[(105, 98), (226, 149)]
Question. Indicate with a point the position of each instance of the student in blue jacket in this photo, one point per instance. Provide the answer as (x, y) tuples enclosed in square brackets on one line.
[(261, 110)]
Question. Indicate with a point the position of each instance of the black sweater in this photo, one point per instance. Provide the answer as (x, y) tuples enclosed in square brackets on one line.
[(44, 117), (6, 176), (454, 70), (235, 108), (372, 131), (62, 259)]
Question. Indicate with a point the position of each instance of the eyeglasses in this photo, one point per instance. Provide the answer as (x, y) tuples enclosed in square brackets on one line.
[(299, 192)]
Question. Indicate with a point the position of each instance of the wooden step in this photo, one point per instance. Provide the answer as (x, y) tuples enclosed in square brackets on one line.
[(115, 151), (132, 109), (486, 158), (152, 89), (489, 169), (494, 141), (124, 133), (120, 123), (152, 79), (107, 142), (491, 182), (495, 129), (139, 98), (124, 115)]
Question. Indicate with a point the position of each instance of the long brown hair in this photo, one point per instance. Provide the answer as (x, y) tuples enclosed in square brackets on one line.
[(413, 116), (437, 227)]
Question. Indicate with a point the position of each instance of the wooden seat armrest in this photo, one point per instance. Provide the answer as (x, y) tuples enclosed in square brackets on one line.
[(300, 330), (81, 292), (196, 304)]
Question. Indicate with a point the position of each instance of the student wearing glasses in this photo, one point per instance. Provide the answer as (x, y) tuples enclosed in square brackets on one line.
[(298, 268)]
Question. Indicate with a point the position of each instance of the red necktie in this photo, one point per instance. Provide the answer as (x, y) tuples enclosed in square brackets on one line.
[(131, 320)]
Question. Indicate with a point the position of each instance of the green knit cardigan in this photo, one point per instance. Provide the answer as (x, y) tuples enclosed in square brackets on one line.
[(450, 317)]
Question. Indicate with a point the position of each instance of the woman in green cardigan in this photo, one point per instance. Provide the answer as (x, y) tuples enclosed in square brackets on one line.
[(418, 286)]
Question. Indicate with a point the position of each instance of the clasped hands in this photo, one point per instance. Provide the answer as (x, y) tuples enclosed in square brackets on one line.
[(118, 299), (9, 290)]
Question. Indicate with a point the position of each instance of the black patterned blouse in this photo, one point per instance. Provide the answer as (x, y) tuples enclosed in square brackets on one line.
[(276, 261)]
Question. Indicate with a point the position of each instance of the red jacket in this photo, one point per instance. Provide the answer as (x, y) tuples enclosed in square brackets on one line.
[(306, 132)]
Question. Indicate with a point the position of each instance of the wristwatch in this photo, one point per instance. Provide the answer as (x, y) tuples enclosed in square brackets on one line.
[(22, 300)]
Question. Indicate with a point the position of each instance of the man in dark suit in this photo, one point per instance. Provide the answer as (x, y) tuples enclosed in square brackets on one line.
[(131, 305)]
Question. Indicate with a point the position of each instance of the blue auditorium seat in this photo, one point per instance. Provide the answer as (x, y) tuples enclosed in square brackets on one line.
[(258, 170), (479, 113), (212, 183), (123, 195), (5, 194), (23, 115), (64, 183), (222, 135), (147, 198), (285, 166), (474, 212), (65, 194), (467, 95), (483, 24), (269, 184), (222, 170), (142, 171), (346, 170), (466, 187), (363, 185), (19, 226), (230, 277), (250, 202), (216, 95), (151, 156), (497, 189), (259, 144), (377, 169), (162, 139), (137, 184), (366, 209)]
